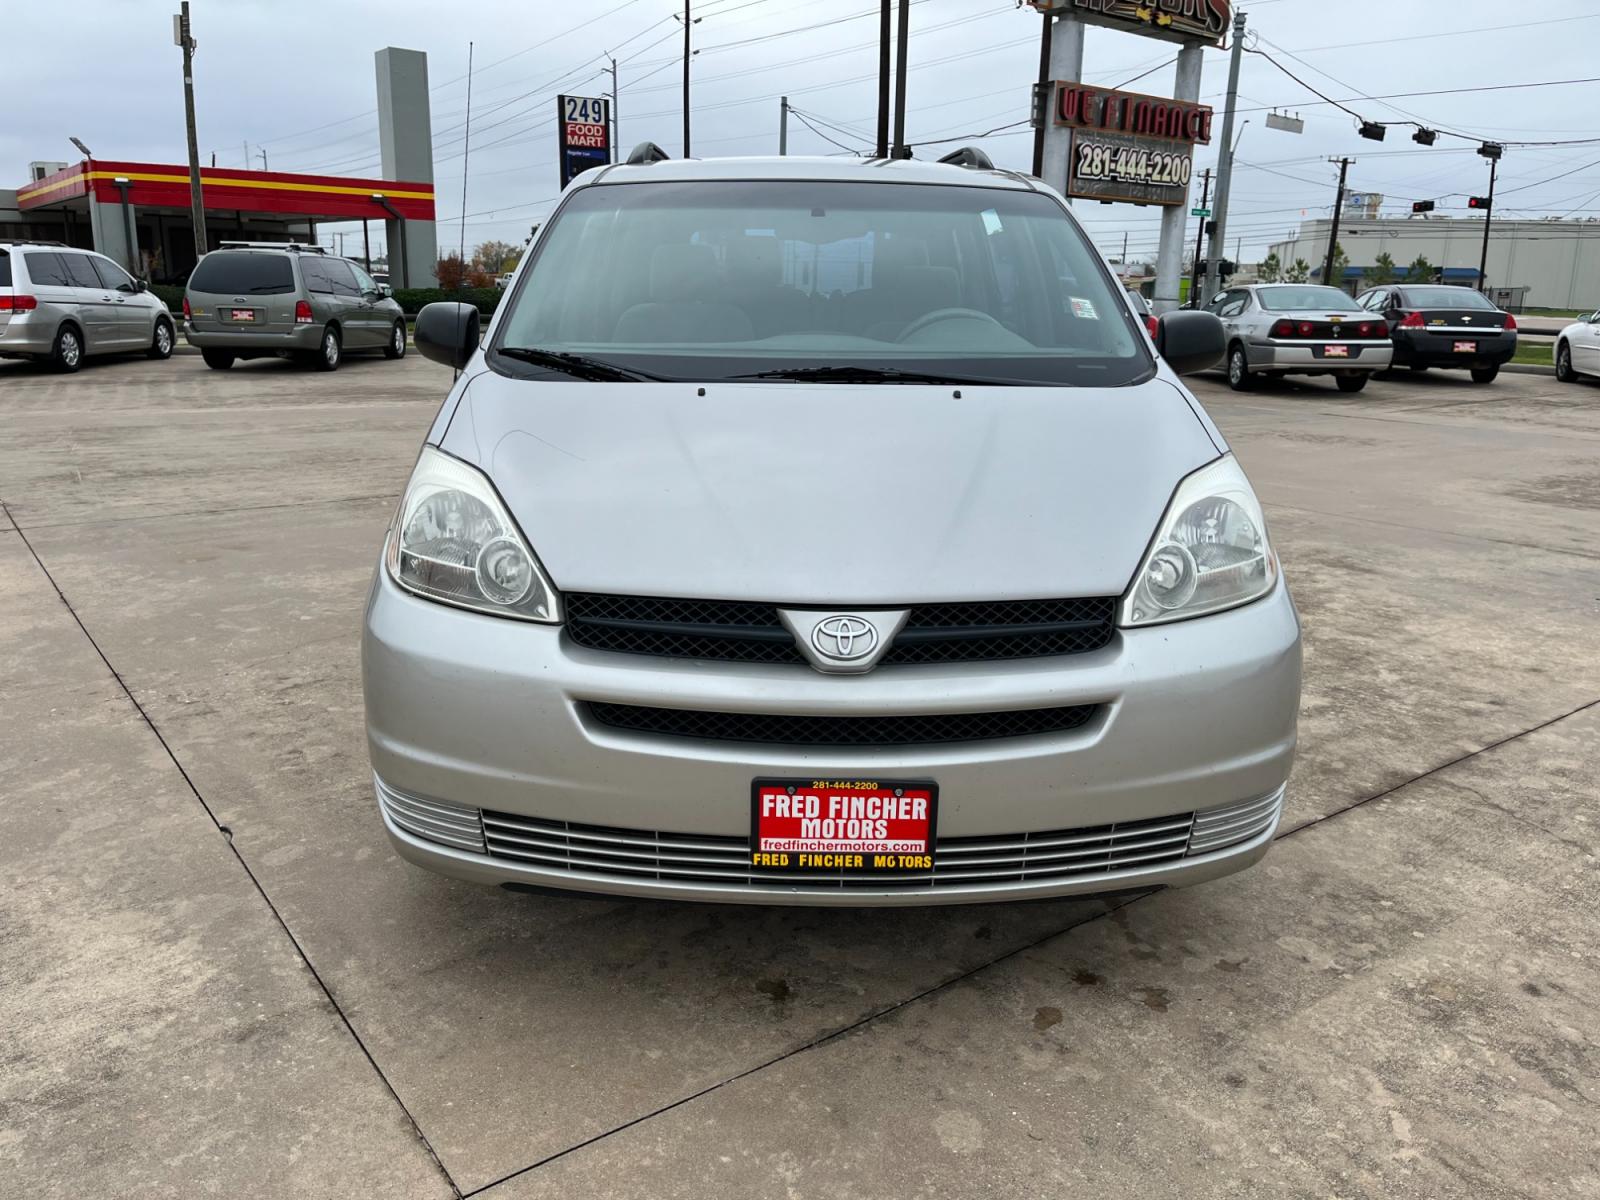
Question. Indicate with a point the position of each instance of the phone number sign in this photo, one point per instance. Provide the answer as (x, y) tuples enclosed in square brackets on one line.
[(1128, 146), (583, 134)]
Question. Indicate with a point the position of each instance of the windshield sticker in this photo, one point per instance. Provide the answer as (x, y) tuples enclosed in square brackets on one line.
[(1084, 309)]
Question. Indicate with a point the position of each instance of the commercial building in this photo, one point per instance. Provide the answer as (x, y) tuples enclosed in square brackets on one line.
[(1551, 263), (139, 213)]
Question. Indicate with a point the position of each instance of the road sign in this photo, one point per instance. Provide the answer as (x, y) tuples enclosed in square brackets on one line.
[(1199, 212)]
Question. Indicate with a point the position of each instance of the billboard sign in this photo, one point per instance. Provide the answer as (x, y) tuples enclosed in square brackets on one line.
[(1171, 20), (1128, 146), (583, 134)]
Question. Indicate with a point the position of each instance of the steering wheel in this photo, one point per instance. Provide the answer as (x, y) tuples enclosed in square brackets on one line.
[(946, 314)]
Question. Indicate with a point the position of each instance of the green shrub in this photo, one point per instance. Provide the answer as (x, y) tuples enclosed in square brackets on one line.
[(412, 299), (170, 294)]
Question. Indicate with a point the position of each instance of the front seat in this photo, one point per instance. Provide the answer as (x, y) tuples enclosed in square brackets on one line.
[(686, 304)]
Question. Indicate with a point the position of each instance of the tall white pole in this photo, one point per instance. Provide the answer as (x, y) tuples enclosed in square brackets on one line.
[(1175, 217), (1066, 66)]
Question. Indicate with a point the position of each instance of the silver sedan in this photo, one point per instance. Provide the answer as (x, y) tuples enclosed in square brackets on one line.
[(1278, 329)]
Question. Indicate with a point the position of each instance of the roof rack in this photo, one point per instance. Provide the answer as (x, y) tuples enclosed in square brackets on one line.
[(296, 247), (34, 242), (969, 156), (647, 152)]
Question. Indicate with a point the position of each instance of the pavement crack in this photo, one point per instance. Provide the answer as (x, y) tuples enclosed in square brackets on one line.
[(935, 989), (227, 832)]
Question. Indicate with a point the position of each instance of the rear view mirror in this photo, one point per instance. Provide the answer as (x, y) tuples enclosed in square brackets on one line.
[(448, 332), (1190, 341)]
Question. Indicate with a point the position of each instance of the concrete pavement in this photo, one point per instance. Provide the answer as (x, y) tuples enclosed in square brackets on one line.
[(217, 979)]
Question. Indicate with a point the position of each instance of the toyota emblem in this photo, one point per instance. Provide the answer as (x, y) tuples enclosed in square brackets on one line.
[(844, 638)]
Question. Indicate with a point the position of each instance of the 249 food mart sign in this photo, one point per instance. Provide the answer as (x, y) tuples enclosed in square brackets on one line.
[(1128, 146)]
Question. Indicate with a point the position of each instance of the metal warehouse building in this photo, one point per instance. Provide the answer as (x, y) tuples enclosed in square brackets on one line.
[(1556, 261)]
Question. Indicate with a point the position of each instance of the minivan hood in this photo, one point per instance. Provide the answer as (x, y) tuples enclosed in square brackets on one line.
[(832, 494)]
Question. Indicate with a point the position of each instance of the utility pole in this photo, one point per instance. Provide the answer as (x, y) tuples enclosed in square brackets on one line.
[(263, 154), (1124, 259), (1219, 230), (902, 37), (616, 121), (686, 78), (182, 33), (1488, 217), (1333, 236), (883, 79), (783, 124), (1195, 295), (1044, 94)]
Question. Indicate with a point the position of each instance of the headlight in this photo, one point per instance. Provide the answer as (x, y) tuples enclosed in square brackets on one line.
[(1210, 551), (454, 541)]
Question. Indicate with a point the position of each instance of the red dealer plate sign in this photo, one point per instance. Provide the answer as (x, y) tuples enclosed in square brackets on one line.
[(860, 826)]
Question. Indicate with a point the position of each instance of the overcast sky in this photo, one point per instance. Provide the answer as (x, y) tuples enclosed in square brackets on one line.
[(296, 79)]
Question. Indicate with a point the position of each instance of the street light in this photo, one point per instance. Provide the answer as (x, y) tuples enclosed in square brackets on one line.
[(84, 149)]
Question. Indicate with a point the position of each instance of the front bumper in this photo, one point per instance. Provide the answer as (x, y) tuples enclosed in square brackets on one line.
[(486, 714), (254, 341), (1299, 358)]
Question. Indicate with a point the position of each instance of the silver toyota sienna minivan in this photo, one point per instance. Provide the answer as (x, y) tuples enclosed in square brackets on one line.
[(816, 531)]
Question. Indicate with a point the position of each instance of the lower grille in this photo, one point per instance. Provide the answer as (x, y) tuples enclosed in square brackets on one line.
[(801, 730), (720, 860)]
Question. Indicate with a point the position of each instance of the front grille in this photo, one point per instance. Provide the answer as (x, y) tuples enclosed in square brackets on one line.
[(800, 730), (724, 630), (722, 860), (986, 632), (743, 631)]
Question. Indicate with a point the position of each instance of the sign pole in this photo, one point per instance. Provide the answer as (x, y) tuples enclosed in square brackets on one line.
[(1333, 235), (1169, 256), (1066, 66), (1199, 238), (1219, 232)]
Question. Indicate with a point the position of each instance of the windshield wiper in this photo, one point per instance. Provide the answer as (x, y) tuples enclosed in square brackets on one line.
[(579, 366), (841, 374)]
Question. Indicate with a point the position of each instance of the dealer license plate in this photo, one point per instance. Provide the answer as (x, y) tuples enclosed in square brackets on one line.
[(243, 314), (1466, 347), (1336, 351), (856, 826)]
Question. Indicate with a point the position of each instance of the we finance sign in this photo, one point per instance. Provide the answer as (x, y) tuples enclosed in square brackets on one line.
[(1173, 20)]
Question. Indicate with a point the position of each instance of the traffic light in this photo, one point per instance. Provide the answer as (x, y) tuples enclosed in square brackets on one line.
[(1478, 202), (1372, 130), (1424, 137), (1225, 267), (1491, 150), (1422, 206)]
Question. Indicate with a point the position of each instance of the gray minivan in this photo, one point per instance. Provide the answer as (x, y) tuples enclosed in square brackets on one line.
[(60, 304), (263, 299)]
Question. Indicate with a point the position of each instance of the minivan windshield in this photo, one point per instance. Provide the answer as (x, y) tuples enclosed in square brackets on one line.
[(889, 281), (1306, 298), (240, 272)]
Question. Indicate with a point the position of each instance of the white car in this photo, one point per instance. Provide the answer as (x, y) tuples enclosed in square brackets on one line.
[(1578, 349)]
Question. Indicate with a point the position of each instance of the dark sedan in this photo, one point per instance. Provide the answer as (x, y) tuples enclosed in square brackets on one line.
[(1437, 326)]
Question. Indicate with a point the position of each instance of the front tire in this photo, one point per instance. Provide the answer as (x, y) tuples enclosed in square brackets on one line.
[(217, 360), (1239, 377), (1564, 371), (162, 342), (331, 350), (66, 354), (1484, 374), (1350, 383), (396, 347)]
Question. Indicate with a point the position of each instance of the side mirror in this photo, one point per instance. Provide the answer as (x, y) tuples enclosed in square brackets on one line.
[(1190, 341), (386, 291), (140, 285), (448, 332)]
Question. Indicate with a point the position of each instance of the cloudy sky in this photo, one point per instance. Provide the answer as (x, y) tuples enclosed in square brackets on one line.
[(295, 79)]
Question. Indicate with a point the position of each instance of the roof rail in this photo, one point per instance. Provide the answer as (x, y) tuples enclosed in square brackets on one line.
[(34, 242), (647, 152), (969, 156), (296, 247)]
